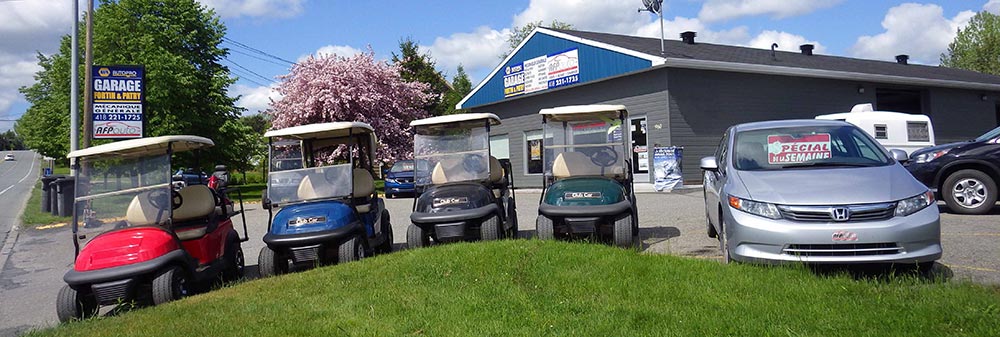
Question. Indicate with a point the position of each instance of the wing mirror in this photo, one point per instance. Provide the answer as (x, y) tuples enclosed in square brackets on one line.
[(709, 164), (899, 155)]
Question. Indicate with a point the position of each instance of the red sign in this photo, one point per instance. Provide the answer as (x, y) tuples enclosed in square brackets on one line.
[(785, 149)]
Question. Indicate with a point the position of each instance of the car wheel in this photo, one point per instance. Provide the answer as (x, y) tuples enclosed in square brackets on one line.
[(970, 192), (72, 305), (351, 250), (390, 196), (270, 263), (169, 285), (234, 261), (711, 229), (416, 237), (544, 228), (724, 242), (386, 246), (623, 235)]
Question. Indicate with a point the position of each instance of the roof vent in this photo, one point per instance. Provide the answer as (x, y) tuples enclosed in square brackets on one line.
[(807, 49), (688, 37), (902, 59)]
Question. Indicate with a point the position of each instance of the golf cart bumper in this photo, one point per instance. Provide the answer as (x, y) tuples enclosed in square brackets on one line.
[(584, 219), (452, 225), (110, 285), (279, 241)]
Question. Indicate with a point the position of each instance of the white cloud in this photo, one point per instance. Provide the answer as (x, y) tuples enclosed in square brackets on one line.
[(786, 41), (342, 51), (610, 16), (255, 8), (993, 6), (254, 99), (476, 51), (920, 31), (722, 10)]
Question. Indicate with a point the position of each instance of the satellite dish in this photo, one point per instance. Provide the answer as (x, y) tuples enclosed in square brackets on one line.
[(652, 5)]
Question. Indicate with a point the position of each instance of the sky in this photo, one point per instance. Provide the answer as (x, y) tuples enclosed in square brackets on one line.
[(474, 33)]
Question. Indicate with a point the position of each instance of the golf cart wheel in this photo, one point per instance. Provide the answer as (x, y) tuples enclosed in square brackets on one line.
[(624, 235), (969, 192), (350, 250), (490, 230), (72, 305), (512, 219), (544, 228), (416, 237), (265, 203), (235, 263), (169, 285), (269, 263), (386, 246)]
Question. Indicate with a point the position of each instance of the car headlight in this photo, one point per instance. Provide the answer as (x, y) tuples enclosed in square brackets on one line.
[(390, 180), (929, 156), (755, 207), (913, 204)]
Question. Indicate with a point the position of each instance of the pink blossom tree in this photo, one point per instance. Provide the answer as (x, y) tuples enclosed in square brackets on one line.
[(331, 88)]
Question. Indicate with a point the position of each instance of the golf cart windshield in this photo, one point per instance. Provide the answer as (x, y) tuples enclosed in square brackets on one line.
[(117, 192), (451, 152), (584, 148), (289, 182)]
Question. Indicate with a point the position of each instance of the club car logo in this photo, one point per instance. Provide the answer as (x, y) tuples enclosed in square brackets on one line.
[(299, 221), (840, 236), (582, 195), (438, 202)]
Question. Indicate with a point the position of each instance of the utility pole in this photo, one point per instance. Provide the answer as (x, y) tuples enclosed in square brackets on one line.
[(74, 86), (88, 120)]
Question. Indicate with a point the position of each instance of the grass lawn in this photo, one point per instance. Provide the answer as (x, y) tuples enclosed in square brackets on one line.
[(532, 288), (250, 192), (33, 215)]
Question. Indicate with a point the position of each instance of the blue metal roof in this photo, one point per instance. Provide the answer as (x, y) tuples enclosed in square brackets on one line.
[(595, 63)]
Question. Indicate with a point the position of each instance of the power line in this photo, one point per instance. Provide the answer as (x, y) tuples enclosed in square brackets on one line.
[(256, 50), (250, 71), (258, 57)]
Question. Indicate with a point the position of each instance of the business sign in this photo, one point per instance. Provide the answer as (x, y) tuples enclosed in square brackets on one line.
[(118, 94), (667, 168), (786, 149), (541, 73)]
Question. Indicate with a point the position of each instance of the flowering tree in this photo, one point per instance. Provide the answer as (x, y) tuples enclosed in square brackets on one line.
[(331, 88)]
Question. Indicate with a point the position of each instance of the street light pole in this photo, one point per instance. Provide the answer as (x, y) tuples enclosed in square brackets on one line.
[(74, 86), (88, 123)]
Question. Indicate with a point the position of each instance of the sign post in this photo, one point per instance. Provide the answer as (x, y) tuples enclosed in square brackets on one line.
[(119, 97)]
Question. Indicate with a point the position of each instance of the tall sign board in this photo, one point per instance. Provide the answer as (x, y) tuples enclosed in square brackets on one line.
[(119, 97)]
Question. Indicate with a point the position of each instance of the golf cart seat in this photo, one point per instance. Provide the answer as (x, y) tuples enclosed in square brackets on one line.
[(198, 202), (496, 171), (450, 170), (364, 186), (576, 164)]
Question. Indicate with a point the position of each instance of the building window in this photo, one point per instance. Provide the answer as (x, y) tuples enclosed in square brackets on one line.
[(500, 147), (533, 163), (881, 132)]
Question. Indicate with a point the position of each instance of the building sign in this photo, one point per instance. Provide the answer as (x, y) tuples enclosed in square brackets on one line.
[(118, 94), (541, 73)]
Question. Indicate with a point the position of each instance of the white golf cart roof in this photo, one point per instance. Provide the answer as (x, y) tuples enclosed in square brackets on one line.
[(494, 120), (141, 146), (583, 112), (322, 130)]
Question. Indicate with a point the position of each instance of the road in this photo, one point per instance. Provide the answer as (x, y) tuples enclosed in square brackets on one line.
[(17, 178), (669, 224)]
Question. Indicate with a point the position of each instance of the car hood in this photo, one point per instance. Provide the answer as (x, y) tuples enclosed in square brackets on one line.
[(831, 186), (936, 148)]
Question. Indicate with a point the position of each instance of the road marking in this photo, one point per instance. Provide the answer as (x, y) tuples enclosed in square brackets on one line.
[(55, 225), (30, 169), (971, 268)]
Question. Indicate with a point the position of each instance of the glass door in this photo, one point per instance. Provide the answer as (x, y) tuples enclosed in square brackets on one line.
[(640, 152)]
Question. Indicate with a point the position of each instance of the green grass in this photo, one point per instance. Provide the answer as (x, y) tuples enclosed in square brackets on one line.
[(250, 192), (33, 215), (532, 288)]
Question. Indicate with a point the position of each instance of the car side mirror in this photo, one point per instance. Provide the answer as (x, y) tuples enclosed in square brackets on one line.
[(899, 155), (709, 164)]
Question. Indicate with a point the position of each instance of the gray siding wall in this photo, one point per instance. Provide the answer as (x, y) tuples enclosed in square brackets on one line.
[(960, 115)]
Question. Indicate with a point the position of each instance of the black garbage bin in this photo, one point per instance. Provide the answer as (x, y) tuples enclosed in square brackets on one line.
[(47, 192), (65, 190), (53, 196)]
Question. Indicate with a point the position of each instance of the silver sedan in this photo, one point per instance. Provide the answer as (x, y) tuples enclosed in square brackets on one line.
[(817, 192)]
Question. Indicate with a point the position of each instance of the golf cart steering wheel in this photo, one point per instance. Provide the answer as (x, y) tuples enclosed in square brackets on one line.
[(604, 157), (155, 197), (330, 175), (473, 163)]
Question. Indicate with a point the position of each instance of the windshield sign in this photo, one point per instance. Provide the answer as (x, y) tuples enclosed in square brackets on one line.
[(786, 149)]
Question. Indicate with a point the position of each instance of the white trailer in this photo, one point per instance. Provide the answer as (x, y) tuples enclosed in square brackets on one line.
[(894, 130)]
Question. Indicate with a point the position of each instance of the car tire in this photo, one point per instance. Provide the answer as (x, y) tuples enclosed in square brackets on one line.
[(624, 236), (72, 305), (351, 250), (386, 246), (416, 237), (724, 242), (544, 228), (969, 192), (269, 263), (390, 196), (235, 263), (169, 285), (490, 229), (711, 229)]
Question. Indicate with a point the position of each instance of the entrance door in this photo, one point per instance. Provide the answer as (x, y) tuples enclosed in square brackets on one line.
[(640, 152)]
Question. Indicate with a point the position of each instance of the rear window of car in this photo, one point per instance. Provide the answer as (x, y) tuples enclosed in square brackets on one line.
[(808, 146)]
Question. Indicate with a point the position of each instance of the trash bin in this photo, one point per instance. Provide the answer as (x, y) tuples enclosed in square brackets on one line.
[(66, 195), (47, 193), (53, 199)]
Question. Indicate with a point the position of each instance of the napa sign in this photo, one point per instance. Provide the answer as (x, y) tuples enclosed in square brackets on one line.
[(541, 73), (118, 93)]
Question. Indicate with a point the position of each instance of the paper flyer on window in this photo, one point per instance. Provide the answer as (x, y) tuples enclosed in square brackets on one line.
[(667, 168)]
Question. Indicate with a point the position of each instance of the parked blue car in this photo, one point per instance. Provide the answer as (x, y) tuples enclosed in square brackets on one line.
[(399, 179)]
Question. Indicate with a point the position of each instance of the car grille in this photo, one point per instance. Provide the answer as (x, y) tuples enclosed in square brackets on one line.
[(867, 212), (404, 180), (847, 249), (305, 254)]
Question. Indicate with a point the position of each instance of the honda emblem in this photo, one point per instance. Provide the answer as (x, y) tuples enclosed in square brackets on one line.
[(840, 213)]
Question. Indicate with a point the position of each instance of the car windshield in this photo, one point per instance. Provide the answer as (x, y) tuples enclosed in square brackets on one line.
[(989, 135), (807, 146), (584, 148), (452, 152), (402, 166), (289, 181), (116, 192)]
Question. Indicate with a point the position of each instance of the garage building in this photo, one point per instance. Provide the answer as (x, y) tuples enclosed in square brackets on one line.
[(688, 96)]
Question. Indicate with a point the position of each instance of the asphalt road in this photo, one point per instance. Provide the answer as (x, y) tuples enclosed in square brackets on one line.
[(669, 224)]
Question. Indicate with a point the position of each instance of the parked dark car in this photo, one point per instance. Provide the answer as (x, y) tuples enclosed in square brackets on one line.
[(963, 174), (399, 179), (191, 177)]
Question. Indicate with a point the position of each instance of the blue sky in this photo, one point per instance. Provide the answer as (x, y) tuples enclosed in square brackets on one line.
[(473, 33)]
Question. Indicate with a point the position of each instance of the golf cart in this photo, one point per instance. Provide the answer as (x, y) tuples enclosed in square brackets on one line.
[(462, 191), (587, 186), (138, 239), (327, 211)]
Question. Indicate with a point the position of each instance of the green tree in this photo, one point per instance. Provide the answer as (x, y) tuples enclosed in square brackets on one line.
[(461, 86), (178, 43), (519, 33), (417, 67), (977, 46)]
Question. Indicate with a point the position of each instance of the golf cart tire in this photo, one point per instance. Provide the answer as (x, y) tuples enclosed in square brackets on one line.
[(235, 262), (623, 235), (168, 285), (386, 246), (265, 203), (544, 228), (71, 305), (490, 229), (268, 264), (350, 250), (416, 237)]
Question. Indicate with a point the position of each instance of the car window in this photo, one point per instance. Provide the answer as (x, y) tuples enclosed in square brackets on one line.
[(807, 146), (989, 135), (721, 151)]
